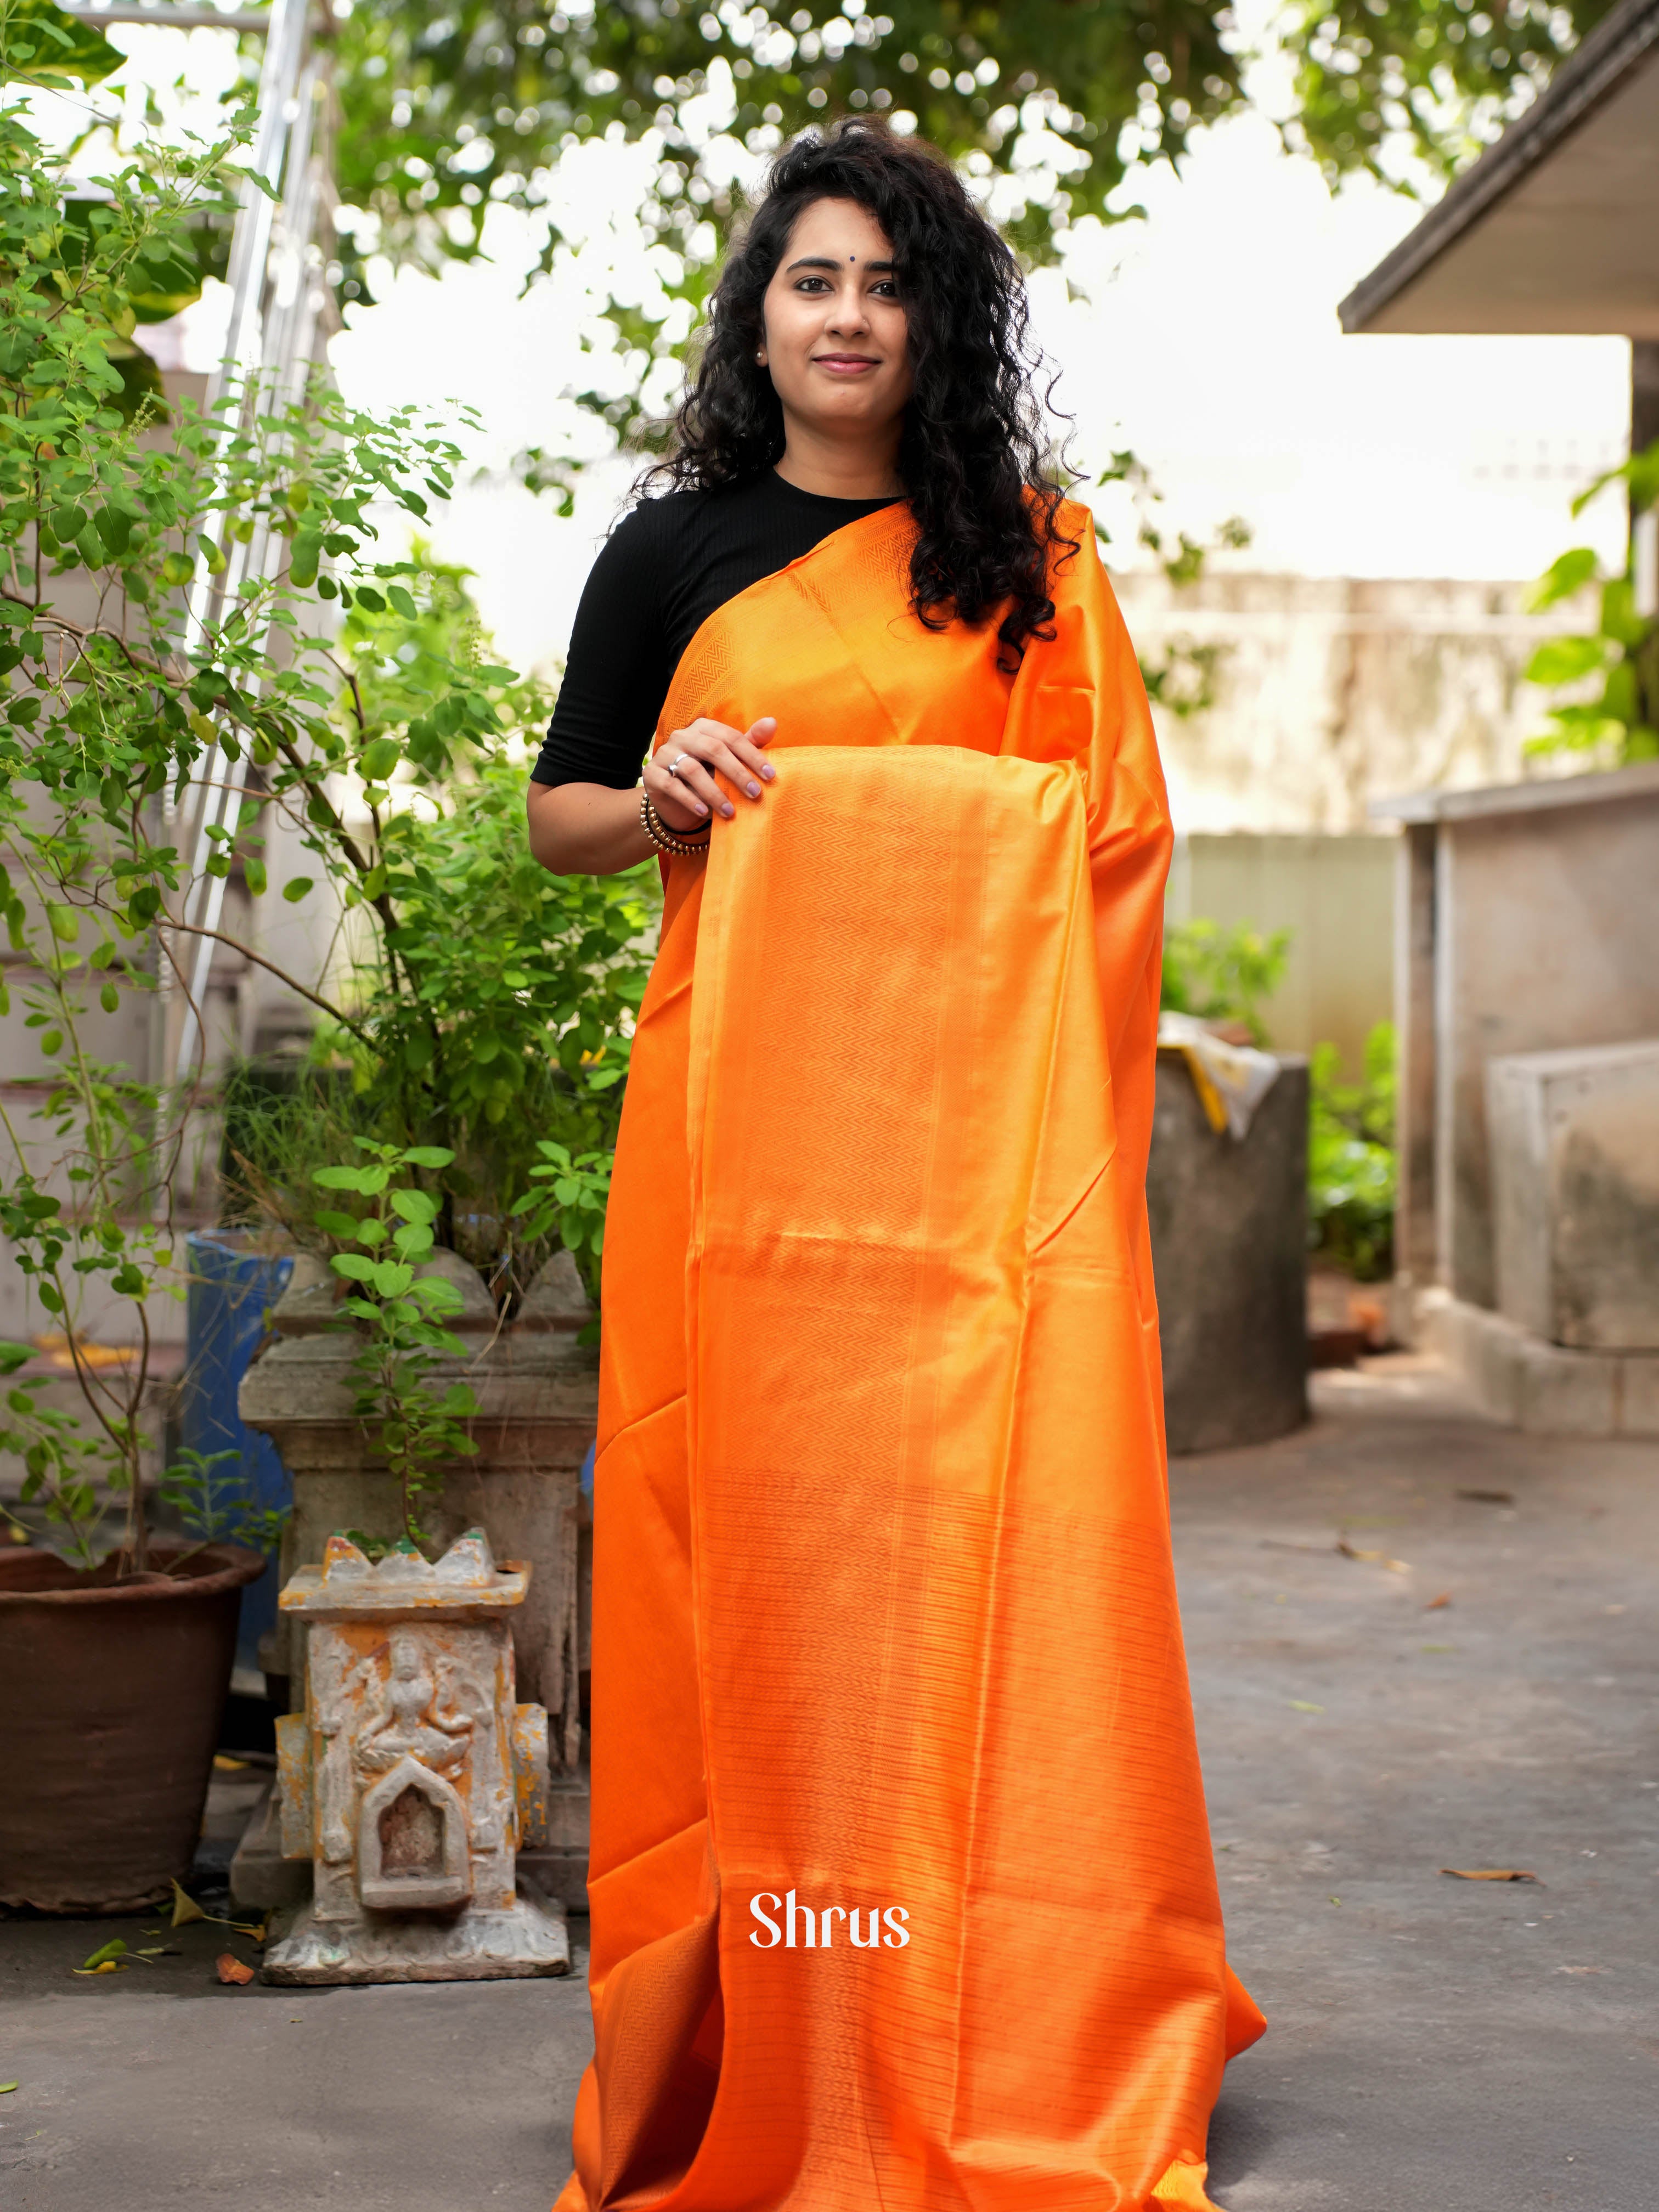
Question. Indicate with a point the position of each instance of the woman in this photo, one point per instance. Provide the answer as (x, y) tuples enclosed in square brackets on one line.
[(901, 1885)]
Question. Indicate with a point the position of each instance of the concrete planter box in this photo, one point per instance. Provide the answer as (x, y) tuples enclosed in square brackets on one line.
[(1525, 930), (1229, 1223), (538, 1392), (1574, 1156), (1524, 923)]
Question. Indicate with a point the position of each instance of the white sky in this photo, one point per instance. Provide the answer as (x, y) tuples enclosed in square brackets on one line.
[(1206, 339)]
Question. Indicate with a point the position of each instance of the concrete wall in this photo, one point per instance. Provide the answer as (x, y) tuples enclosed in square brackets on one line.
[(1332, 691)]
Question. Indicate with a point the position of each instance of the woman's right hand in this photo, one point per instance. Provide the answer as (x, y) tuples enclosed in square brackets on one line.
[(685, 797)]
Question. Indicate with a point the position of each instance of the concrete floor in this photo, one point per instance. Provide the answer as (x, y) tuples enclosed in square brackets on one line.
[(1435, 2046)]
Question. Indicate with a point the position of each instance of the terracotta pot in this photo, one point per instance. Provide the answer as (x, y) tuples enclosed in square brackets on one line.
[(113, 1694)]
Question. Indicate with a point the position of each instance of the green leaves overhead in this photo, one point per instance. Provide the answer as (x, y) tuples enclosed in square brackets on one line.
[(1442, 72), (445, 110), (1615, 721), (1057, 101), (40, 44)]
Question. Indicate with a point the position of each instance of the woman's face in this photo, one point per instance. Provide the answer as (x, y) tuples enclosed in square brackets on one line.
[(836, 334)]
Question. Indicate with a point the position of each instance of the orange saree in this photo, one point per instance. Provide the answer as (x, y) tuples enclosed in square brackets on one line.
[(902, 1890)]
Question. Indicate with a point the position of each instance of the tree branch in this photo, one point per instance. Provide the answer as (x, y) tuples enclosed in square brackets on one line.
[(219, 937)]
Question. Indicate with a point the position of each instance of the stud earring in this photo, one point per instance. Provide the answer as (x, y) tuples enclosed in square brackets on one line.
[(761, 358)]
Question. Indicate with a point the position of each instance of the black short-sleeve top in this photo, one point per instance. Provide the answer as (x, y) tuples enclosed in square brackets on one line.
[(665, 568)]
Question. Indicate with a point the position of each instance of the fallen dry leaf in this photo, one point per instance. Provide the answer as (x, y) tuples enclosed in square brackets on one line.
[(223, 1763), (1378, 1559), (231, 1971), (1435, 1603), (1583, 1970), (1487, 1497), (184, 1908), (1489, 1874), (1301, 1705)]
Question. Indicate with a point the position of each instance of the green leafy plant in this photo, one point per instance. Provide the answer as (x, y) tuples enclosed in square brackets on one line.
[(1220, 973), (522, 1019), (62, 1467), (1351, 1158), (416, 1429), (1619, 722), (570, 1201), (44, 46), (395, 778), (208, 1493), (92, 500), (457, 1036)]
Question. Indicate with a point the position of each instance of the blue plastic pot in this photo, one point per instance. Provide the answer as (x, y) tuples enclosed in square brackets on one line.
[(232, 1289)]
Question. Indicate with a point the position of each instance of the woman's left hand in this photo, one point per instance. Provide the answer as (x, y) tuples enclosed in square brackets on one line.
[(680, 775)]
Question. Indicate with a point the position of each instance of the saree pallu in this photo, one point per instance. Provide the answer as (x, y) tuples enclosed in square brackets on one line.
[(902, 1890)]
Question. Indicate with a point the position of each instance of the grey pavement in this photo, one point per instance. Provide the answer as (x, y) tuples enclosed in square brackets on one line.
[(1460, 2045), (1435, 2046)]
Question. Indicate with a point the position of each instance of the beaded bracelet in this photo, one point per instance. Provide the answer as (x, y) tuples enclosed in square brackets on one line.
[(666, 840)]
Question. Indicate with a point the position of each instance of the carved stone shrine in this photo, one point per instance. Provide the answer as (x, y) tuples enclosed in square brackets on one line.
[(412, 1776), (537, 1385)]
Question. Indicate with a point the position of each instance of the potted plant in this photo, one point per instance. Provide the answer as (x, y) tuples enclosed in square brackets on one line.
[(116, 1653), (135, 685)]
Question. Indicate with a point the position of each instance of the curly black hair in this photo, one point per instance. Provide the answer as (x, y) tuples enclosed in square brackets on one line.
[(973, 455)]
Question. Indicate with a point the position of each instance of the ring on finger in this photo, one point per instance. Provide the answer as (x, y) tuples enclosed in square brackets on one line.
[(677, 762)]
